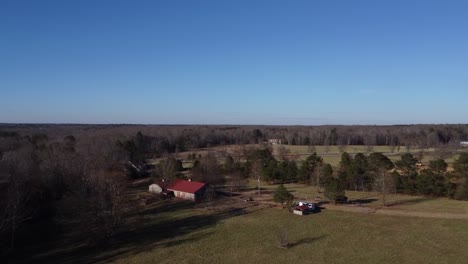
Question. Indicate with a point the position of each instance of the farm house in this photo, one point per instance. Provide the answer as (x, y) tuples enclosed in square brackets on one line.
[(188, 190)]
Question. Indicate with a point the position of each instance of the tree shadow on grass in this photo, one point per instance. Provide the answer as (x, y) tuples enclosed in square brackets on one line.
[(140, 233), (411, 201), (363, 201), (308, 240), (164, 206)]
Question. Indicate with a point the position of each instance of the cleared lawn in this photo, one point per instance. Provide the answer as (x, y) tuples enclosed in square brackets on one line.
[(326, 237)]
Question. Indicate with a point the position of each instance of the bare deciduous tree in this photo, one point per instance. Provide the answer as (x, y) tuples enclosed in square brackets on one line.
[(311, 149), (167, 169), (283, 152), (15, 167), (385, 184), (256, 173), (283, 237)]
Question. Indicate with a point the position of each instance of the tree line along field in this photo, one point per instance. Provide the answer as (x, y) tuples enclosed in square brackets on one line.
[(330, 154)]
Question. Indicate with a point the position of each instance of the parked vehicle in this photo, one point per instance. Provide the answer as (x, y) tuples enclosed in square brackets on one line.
[(312, 207)]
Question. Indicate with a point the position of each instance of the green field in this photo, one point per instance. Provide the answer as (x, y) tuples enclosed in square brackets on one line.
[(326, 237)]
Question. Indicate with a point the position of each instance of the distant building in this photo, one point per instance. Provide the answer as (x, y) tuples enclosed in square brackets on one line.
[(464, 143), (188, 190), (275, 141)]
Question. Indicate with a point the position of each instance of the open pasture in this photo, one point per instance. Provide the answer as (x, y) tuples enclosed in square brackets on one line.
[(416, 203), (326, 237)]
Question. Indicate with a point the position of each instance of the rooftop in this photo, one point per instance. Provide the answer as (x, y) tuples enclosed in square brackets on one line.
[(186, 186)]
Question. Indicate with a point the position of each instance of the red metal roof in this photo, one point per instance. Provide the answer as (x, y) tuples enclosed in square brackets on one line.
[(186, 186), (302, 207)]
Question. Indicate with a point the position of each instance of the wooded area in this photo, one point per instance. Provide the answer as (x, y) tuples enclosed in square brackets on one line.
[(171, 138)]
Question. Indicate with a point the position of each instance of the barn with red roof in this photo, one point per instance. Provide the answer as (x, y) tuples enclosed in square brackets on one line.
[(188, 190)]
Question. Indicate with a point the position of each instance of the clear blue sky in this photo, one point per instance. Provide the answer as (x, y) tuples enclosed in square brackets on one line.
[(234, 62)]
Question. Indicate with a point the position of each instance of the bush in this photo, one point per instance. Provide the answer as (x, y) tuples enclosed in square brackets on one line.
[(334, 190), (462, 191), (282, 195)]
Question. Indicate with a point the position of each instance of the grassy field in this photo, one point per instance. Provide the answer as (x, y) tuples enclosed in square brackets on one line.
[(229, 230), (326, 237), (373, 199)]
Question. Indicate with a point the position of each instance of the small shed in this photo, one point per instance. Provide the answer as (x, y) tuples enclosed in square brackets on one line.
[(301, 210), (188, 190), (155, 188)]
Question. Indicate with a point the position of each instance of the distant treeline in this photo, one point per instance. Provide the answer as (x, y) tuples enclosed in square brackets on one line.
[(170, 138)]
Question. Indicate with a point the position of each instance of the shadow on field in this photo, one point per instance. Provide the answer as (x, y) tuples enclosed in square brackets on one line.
[(227, 193), (167, 206), (307, 240), (410, 201), (143, 230), (363, 201)]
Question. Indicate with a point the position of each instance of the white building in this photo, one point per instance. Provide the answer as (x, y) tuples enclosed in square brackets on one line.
[(154, 188)]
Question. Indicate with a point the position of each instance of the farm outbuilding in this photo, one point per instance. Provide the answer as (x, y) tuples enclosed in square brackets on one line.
[(155, 188), (301, 210), (188, 190), (304, 208)]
